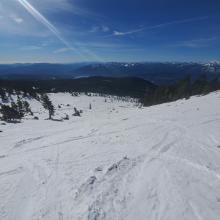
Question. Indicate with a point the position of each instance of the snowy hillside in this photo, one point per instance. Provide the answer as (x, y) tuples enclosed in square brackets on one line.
[(116, 162)]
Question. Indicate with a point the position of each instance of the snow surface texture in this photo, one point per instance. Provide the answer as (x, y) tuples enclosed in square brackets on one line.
[(116, 162)]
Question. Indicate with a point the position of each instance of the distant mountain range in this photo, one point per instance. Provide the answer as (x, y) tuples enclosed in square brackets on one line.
[(158, 73)]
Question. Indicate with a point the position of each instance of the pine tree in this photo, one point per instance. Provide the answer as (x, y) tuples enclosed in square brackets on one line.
[(9, 113), (3, 95), (26, 107), (18, 108), (19, 104), (48, 105)]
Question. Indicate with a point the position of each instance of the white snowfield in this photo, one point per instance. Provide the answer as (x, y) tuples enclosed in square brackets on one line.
[(116, 162)]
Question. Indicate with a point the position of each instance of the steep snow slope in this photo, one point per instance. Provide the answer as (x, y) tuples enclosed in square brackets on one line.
[(116, 162)]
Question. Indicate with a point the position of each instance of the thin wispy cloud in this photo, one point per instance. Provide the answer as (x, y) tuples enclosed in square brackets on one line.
[(51, 6), (27, 48), (63, 50), (16, 19), (98, 45), (58, 5), (158, 26), (184, 21), (197, 43), (105, 28), (84, 53), (102, 47), (79, 30), (102, 28), (40, 18), (61, 5), (118, 33)]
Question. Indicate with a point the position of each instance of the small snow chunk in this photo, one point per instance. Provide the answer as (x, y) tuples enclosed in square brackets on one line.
[(98, 169), (91, 180), (113, 167), (117, 165)]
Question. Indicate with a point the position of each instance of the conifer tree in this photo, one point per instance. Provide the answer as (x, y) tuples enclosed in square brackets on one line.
[(48, 105), (19, 105), (3, 95), (26, 107), (9, 113)]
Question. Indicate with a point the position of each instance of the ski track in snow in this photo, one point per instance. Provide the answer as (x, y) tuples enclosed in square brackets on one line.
[(116, 162)]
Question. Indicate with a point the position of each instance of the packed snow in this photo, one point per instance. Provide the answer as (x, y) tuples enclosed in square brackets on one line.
[(116, 162)]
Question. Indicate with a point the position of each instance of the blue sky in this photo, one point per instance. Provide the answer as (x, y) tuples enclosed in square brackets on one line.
[(67, 31)]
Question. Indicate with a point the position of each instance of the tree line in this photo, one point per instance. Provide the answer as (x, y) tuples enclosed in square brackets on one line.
[(185, 88), (15, 111), (154, 94)]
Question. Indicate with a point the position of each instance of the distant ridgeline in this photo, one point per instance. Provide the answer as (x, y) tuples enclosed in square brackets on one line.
[(157, 73), (147, 92)]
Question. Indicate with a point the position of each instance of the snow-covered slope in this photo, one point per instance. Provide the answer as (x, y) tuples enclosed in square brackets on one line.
[(116, 162)]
